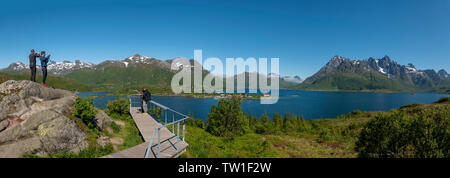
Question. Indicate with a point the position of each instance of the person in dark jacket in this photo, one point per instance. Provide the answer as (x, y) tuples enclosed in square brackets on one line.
[(145, 98), (32, 58), (44, 60)]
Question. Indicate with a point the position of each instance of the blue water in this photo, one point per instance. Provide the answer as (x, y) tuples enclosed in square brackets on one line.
[(310, 104)]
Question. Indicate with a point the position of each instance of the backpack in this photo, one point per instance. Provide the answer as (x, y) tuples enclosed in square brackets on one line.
[(147, 96)]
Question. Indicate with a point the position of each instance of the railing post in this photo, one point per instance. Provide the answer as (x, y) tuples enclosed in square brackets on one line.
[(159, 141), (165, 117), (130, 104), (178, 136), (149, 148), (173, 120), (184, 123)]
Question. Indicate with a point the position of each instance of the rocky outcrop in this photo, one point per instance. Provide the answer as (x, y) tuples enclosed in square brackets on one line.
[(33, 119), (102, 120)]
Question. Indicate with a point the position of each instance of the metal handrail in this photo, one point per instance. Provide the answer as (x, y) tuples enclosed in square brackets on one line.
[(173, 123), (147, 151)]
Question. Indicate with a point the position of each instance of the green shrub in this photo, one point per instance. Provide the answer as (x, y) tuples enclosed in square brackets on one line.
[(118, 106), (116, 128), (195, 122), (356, 112), (263, 125), (227, 119), (85, 110), (397, 134), (431, 133), (155, 112)]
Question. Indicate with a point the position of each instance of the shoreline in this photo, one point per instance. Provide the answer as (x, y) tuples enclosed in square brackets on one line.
[(370, 91)]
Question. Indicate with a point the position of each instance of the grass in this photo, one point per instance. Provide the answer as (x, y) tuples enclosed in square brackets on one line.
[(204, 145), (321, 138), (129, 133), (116, 128)]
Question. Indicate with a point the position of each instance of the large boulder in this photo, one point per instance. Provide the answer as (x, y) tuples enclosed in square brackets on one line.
[(18, 148), (62, 133), (18, 96), (102, 120), (33, 119)]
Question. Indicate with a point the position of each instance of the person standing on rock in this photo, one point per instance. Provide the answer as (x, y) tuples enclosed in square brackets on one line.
[(32, 58), (44, 60), (145, 98)]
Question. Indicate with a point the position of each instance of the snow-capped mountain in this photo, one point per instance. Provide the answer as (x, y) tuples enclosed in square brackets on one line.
[(384, 66), (59, 68), (134, 61), (55, 68), (371, 73), (65, 67)]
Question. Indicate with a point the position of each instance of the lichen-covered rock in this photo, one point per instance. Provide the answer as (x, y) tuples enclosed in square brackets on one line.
[(17, 149), (19, 95), (102, 120), (62, 133), (32, 119), (4, 124)]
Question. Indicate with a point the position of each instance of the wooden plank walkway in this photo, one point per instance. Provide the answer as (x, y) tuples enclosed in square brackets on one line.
[(146, 124)]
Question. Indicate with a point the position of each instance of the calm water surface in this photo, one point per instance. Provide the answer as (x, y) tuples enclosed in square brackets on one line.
[(310, 104)]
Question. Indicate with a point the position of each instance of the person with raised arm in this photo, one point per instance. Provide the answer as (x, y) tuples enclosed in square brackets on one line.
[(44, 60)]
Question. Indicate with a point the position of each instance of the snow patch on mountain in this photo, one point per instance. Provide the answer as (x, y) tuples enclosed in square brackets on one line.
[(411, 69), (381, 70), (295, 79)]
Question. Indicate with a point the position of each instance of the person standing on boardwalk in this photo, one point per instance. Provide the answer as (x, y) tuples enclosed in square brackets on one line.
[(44, 60), (32, 58), (145, 98)]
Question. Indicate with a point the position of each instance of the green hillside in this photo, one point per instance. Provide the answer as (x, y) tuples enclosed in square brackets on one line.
[(119, 78)]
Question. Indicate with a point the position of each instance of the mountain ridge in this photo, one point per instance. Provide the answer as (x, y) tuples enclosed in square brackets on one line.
[(341, 73), (133, 71)]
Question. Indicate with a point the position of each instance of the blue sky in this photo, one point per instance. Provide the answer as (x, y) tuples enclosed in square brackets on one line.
[(305, 35)]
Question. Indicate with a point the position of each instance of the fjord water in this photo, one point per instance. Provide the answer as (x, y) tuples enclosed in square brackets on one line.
[(310, 104)]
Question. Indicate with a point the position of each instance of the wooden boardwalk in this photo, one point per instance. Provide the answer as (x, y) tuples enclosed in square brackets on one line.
[(146, 124)]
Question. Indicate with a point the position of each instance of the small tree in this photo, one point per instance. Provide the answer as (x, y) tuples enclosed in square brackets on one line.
[(119, 106), (277, 123), (227, 119), (85, 110), (263, 125)]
